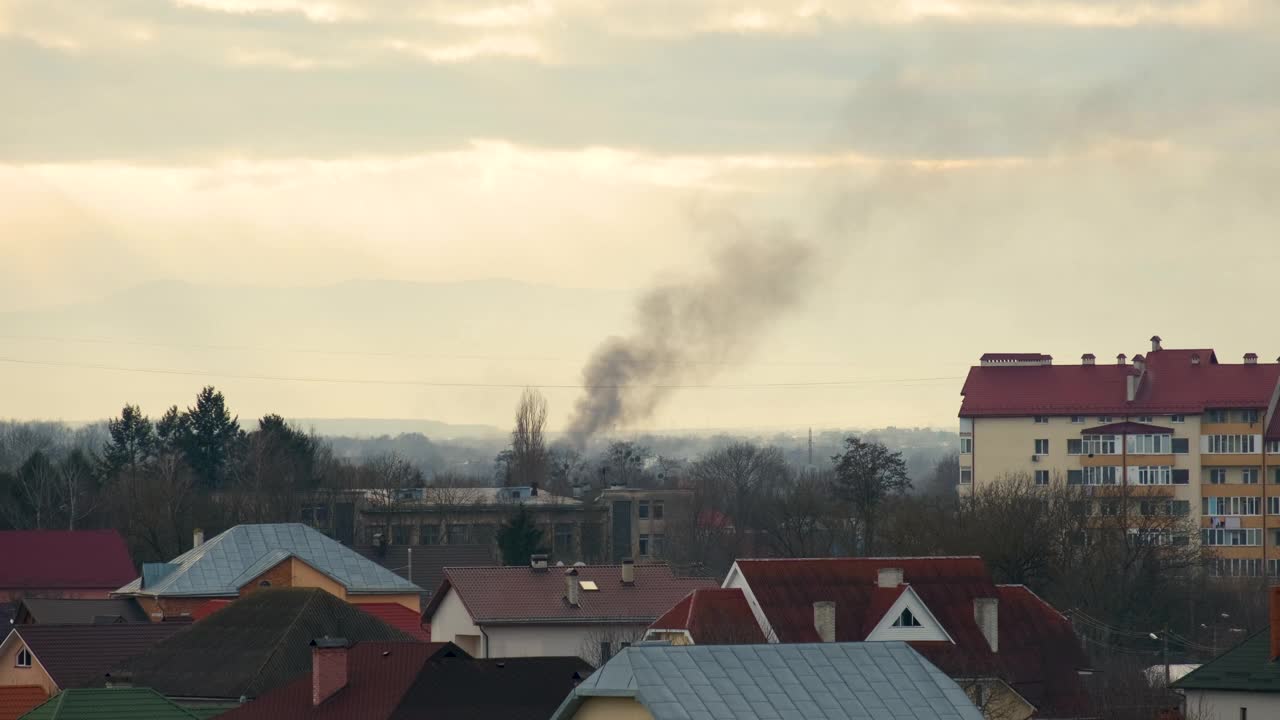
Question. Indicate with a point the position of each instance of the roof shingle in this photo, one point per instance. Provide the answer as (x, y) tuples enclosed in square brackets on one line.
[(16, 700), (69, 611), (65, 559), (110, 704), (713, 616), (81, 655)]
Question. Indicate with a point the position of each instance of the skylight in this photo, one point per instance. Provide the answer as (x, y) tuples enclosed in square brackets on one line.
[(589, 585)]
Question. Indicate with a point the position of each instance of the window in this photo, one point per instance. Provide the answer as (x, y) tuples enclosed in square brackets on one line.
[(657, 545), (1277, 477), (484, 534), (1146, 419), (1077, 419), (1177, 419), (1273, 446), (264, 584), (1042, 447), (1179, 446), (1042, 477), (459, 534), (429, 535), (966, 446), (1218, 476), (589, 585), (1106, 475), (657, 509), (24, 658), (1075, 447), (1153, 474), (642, 509), (1231, 505), (1249, 476), (1099, 445), (1249, 416), (1246, 537), (1042, 419), (1181, 477), (1273, 505), (1109, 507), (563, 540), (1149, 444), (906, 619), (1216, 416), (317, 516), (1235, 567), (644, 546), (1168, 508), (1180, 508), (1273, 568), (966, 476), (399, 534), (1075, 477), (1080, 508), (1219, 444), (1104, 418)]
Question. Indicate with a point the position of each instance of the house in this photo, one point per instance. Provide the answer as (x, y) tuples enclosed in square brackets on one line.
[(587, 610), (251, 646), (248, 558), (62, 564), (886, 681), (641, 520), (1015, 654), (397, 616), (77, 611), (1243, 682), (54, 658), (408, 681), (110, 704)]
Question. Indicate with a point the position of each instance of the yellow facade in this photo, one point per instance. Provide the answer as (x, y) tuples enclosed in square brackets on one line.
[(611, 708)]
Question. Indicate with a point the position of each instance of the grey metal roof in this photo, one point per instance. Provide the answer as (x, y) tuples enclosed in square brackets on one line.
[(226, 562), (832, 681)]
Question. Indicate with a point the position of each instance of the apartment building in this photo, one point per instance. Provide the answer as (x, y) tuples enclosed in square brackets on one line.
[(1183, 430)]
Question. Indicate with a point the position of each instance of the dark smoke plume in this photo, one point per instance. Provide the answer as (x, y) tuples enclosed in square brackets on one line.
[(684, 329)]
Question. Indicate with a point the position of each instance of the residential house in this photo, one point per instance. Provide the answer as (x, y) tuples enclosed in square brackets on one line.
[(588, 610), (423, 565), (1242, 683), (77, 611), (62, 564), (55, 658), (641, 520), (248, 558), (412, 681), (397, 616), (116, 703), (251, 646), (1015, 654), (834, 681), (1178, 427)]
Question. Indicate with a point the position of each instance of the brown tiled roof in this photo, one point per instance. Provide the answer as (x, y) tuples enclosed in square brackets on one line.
[(713, 616), (429, 561), (67, 559), (399, 617), (407, 681), (521, 594), (17, 700), (81, 655), (68, 611)]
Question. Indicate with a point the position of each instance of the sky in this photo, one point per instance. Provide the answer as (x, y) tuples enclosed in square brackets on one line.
[(368, 208)]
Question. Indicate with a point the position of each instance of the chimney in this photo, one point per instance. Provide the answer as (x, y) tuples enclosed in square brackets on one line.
[(1088, 359), (889, 577), (538, 561), (1139, 362), (1275, 623), (1121, 358), (328, 668), (197, 538), (122, 679), (1251, 358), (1131, 387), (824, 620), (1195, 358), (628, 571), (1155, 343), (571, 588), (986, 614)]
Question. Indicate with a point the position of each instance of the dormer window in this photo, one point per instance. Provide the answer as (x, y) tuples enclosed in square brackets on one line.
[(906, 619), (24, 658)]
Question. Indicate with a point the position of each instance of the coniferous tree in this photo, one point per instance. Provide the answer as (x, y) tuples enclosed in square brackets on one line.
[(519, 538)]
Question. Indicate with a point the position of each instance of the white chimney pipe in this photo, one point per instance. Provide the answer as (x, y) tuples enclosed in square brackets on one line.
[(1088, 359), (628, 571), (1155, 343), (571, 588), (1131, 387), (1121, 358), (197, 538), (824, 620), (1251, 358), (889, 577), (986, 615)]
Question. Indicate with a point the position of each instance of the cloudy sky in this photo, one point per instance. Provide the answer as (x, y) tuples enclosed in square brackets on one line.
[(969, 175)]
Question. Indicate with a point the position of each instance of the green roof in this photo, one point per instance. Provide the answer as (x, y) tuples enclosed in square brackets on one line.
[(109, 704), (1246, 667)]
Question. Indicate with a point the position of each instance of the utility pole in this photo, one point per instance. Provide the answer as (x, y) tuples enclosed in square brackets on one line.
[(810, 447), (1165, 634)]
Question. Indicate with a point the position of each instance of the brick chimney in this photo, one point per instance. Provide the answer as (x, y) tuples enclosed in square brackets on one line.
[(328, 668), (986, 612), (889, 577), (1088, 359), (824, 620), (628, 571), (571, 588), (1275, 623)]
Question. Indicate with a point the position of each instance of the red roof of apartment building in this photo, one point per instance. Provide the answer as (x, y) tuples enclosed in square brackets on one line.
[(523, 594), (64, 560), (1173, 382), (713, 616), (1037, 652), (18, 700)]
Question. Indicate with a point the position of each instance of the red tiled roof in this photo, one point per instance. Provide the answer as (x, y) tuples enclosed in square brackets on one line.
[(524, 595), (1170, 385), (1127, 428), (78, 656), (17, 700), (399, 617), (65, 559), (713, 616), (1015, 357), (1029, 628), (1273, 430), (208, 607)]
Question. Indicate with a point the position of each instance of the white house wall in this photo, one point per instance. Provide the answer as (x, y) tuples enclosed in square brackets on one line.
[(1215, 705), (451, 619), (557, 640)]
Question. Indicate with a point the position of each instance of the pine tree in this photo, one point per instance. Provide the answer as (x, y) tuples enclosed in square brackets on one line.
[(519, 538)]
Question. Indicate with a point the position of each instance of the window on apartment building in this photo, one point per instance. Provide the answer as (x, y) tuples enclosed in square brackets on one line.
[(1042, 419), (458, 534), (1149, 444), (1153, 475), (906, 619), (1230, 505), (1177, 419), (1181, 476), (642, 509), (24, 658), (1180, 508), (1232, 444), (1104, 418), (1098, 445), (1276, 479), (1249, 416), (644, 545), (399, 534), (1042, 446), (1148, 507), (1075, 477), (658, 545), (1075, 447), (317, 516), (1077, 419), (428, 534), (1216, 416), (1249, 476), (484, 534), (966, 476), (1273, 446), (1080, 508), (1179, 446), (1146, 419), (966, 446), (563, 540), (1273, 505), (1099, 475), (1109, 507), (1273, 567), (1218, 476), (658, 509), (1235, 567), (1042, 477), (1243, 537)]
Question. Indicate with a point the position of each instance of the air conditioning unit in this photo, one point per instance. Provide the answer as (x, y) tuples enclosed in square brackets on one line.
[(1035, 458)]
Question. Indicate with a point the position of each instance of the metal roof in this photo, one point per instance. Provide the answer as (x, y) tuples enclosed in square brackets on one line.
[(885, 680), (226, 562)]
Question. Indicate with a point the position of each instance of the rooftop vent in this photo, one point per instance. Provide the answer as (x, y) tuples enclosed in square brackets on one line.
[(1088, 359), (538, 561), (1195, 358)]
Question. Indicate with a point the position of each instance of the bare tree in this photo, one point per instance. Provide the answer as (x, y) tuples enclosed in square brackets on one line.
[(529, 458), (605, 641)]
